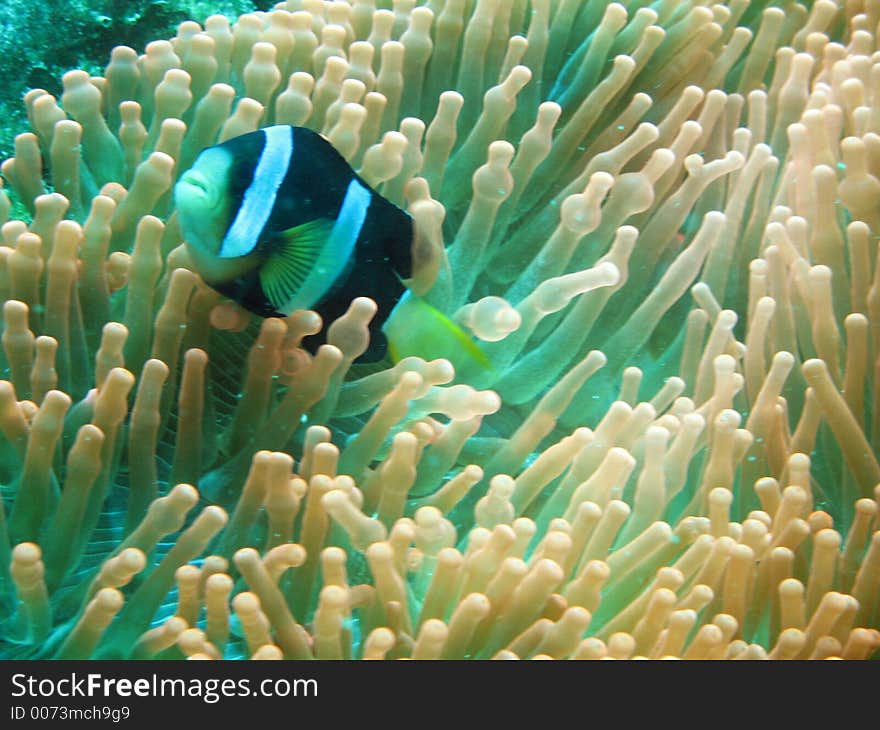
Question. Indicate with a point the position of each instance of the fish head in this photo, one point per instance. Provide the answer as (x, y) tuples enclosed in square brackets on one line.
[(203, 200)]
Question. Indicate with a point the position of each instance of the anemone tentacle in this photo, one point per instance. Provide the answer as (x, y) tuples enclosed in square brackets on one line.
[(659, 221)]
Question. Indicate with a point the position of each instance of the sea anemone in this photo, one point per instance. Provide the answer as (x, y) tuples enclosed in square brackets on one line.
[(659, 222)]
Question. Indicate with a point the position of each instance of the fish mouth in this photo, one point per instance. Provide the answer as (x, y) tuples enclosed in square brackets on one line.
[(196, 182), (195, 194)]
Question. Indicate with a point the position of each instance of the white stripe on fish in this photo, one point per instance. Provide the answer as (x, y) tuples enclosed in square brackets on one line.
[(338, 250), (259, 198)]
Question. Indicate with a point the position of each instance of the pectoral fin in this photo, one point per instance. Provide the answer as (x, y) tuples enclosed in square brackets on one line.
[(293, 254)]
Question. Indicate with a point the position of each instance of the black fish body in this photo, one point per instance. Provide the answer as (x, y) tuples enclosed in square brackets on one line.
[(278, 221)]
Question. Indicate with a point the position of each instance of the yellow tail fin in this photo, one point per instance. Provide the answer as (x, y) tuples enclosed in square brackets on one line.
[(415, 328)]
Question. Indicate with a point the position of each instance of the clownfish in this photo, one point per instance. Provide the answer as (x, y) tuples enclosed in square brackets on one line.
[(277, 221)]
